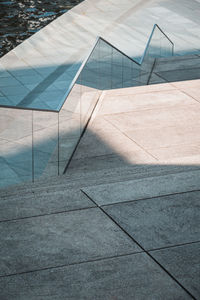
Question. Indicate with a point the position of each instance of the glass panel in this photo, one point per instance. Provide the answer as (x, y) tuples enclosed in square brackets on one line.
[(15, 146), (69, 126), (45, 143), (116, 69), (105, 65), (106, 68), (78, 107), (159, 46)]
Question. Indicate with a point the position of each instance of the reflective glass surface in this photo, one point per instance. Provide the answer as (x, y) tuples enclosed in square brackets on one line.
[(40, 143), (15, 146)]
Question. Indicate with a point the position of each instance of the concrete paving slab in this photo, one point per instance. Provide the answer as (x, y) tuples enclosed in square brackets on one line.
[(99, 125), (157, 117), (173, 136), (117, 278), (140, 90), (160, 222), (144, 188), (183, 263), (106, 143), (42, 202), (77, 180), (186, 84), (112, 104), (187, 160), (60, 239), (177, 152), (111, 161), (192, 92)]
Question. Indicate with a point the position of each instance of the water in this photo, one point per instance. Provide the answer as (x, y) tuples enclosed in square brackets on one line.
[(20, 19)]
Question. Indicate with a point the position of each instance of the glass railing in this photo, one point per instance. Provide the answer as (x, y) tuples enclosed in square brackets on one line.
[(159, 45), (35, 142)]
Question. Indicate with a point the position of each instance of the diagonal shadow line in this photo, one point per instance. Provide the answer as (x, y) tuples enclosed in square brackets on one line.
[(42, 86)]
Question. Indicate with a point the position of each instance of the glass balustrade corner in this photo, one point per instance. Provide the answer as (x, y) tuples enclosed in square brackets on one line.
[(37, 143)]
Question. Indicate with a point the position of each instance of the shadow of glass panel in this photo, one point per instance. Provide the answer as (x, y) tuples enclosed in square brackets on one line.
[(69, 126), (158, 46), (45, 143), (41, 143), (15, 146)]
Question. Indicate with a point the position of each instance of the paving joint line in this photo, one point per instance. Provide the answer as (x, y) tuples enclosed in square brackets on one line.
[(123, 133), (48, 214), (172, 88), (170, 172), (72, 264), (189, 95), (149, 198), (141, 247), (173, 246)]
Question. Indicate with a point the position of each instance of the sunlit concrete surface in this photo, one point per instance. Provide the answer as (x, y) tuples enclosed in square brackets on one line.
[(155, 124), (123, 222), (38, 72)]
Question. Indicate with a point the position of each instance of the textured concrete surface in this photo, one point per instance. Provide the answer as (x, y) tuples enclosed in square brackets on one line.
[(144, 188), (109, 229), (49, 241), (184, 263), (117, 278), (160, 222), (42, 202)]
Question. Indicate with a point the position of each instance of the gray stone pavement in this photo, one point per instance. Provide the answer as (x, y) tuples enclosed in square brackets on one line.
[(123, 222)]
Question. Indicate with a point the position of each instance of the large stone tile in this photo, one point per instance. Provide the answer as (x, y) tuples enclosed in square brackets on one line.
[(154, 117), (183, 263), (178, 152), (60, 239), (166, 136), (187, 160), (99, 125), (129, 277), (111, 161), (113, 104), (144, 188), (160, 222), (104, 143), (192, 92), (140, 90), (42, 202), (186, 84)]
